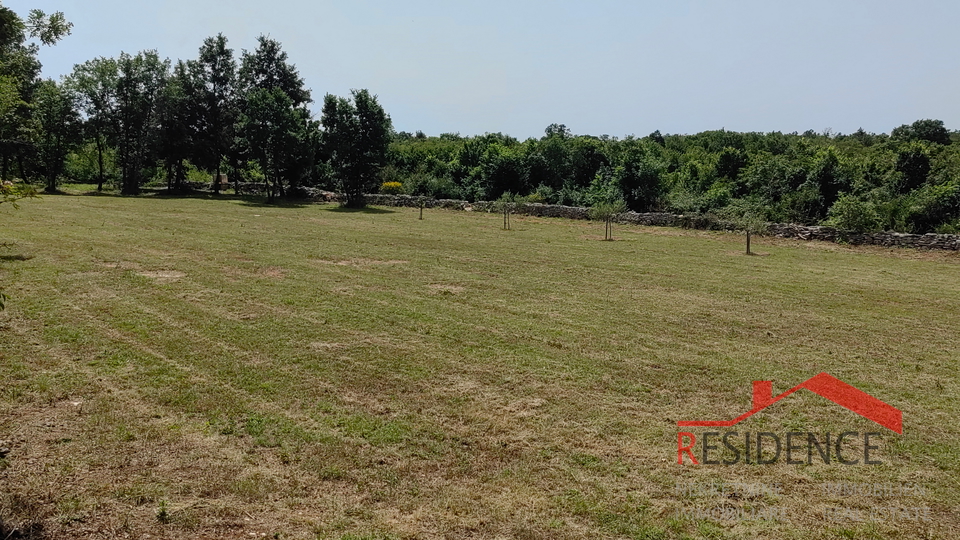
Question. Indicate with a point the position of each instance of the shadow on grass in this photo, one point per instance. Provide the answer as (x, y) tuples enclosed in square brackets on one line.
[(364, 210), (259, 202), (8, 258), (252, 201), (255, 201)]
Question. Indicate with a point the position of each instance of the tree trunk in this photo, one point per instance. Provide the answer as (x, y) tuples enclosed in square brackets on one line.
[(180, 173), (23, 172), (100, 161), (216, 178)]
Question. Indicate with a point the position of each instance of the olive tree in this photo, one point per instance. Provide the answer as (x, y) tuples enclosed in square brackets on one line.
[(607, 211), (749, 216)]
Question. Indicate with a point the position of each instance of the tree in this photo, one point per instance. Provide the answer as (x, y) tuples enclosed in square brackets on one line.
[(637, 176), (141, 81), (507, 204), (502, 170), (586, 158), (356, 137), (276, 131), (15, 124), (19, 74), (95, 84), (179, 115), (607, 211), (267, 69), (827, 175), (747, 215), (729, 163), (913, 164), (218, 74), (922, 130), (59, 130), (657, 138), (549, 162)]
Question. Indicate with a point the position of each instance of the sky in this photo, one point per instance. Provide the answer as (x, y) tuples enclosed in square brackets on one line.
[(599, 67)]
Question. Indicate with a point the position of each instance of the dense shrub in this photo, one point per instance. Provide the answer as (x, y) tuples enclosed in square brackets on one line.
[(851, 213)]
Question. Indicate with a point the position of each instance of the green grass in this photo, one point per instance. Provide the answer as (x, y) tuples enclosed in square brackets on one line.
[(305, 372)]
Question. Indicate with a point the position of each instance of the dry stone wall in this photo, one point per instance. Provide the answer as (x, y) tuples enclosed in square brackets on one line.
[(662, 219)]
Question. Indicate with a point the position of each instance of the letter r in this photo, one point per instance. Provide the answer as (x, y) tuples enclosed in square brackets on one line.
[(688, 449)]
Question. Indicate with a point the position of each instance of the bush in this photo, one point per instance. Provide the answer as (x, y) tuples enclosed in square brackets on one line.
[(570, 196), (952, 227), (682, 201), (83, 167), (543, 194), (930, 206), (803, 205), (426, 184), (853, 214), (391, 188)]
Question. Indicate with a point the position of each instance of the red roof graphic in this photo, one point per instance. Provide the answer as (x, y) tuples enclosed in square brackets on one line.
[(824, 385)]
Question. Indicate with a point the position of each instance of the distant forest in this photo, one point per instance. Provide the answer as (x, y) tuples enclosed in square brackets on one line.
[(906, 181), (139, 120)]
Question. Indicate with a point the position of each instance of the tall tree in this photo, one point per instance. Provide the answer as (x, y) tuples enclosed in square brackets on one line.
[(95, 84), (179, 111), (356, 137), (59, 130), (277, 134), (267, 68), (219, 75), (142, 78), (19, 76)]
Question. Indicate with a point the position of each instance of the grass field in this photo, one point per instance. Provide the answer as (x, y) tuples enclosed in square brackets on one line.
[(216, 368)]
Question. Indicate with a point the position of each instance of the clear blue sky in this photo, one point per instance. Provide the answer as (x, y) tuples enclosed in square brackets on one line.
[(600, 67)]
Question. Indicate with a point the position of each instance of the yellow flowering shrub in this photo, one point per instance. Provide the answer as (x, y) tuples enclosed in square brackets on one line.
[(391, 188)]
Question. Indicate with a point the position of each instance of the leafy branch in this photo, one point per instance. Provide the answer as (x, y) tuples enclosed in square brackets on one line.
[(11, 193)]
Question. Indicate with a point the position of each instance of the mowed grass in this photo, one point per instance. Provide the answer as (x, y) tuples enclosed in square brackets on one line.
[(217, 368)]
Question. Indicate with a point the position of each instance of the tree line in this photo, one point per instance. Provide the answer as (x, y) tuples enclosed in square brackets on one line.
[(908, 180), (138, 120)]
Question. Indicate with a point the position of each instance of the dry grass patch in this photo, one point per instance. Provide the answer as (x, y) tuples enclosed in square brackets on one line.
[(165, 276)]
